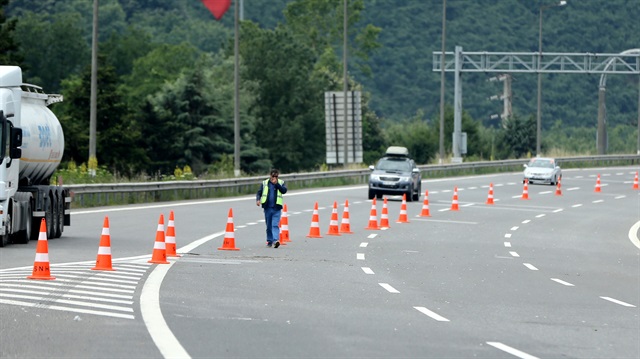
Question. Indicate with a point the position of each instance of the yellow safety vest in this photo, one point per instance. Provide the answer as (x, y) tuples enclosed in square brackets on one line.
[(265, 192)]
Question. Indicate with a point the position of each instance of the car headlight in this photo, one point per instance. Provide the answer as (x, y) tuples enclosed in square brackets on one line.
[(375, 177), (405, 179)]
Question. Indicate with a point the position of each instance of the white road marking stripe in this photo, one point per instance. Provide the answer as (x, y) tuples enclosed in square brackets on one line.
[(162, 336), (530, 266), (558, 210), (360, 256), (618, 302), (514, 254), (374, 235), (389, 288), (515, 228), (67, 309), (526, 221), (444, 221), (367, 270), (619, 197), (598, 201), (633, 234), (577, 205), (562, 282), (540, 215), (507, 235), (545, 192), (573, 189), (431, 314), (512, 351), (507, 244), (364, 244)]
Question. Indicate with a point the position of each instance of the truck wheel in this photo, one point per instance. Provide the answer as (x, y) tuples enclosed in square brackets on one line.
[(48, 217), (23, 236), (60, 227), (4, 239)]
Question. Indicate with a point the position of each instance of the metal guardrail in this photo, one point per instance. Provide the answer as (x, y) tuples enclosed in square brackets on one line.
[(87, 195)]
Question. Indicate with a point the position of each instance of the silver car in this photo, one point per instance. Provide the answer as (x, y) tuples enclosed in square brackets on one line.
[(542, 170)]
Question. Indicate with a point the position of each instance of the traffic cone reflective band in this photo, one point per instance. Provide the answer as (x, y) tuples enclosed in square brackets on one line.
[(454, 202), (103, 261), (170, 237), (525, 189), (425, 205), (229, 241), (403, 211), (345, 226), (384, 216), (373, 216), (490, 196), (333, 224), (598, 189), (314, 230), (559, 187), (284, 227), (41, 268), (159, 247), (635, 181)]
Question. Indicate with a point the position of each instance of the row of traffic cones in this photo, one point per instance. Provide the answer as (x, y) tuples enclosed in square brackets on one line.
[(164, 246)]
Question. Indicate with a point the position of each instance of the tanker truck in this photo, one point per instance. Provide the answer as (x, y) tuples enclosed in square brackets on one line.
[(31, 147)]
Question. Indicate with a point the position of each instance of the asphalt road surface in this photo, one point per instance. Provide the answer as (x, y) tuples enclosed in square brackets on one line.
[(555, 275)]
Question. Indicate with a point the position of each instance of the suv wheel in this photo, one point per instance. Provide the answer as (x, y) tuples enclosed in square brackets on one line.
[(371, 194)]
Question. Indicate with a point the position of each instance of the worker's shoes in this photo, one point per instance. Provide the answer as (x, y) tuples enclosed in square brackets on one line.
[(276, 244)]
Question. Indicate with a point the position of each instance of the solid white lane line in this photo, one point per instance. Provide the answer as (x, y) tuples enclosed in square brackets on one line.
[(363, 244), (562, 282), (157, 327), (507, 244), (514, 254), (389, 288), (360, 256), (618, 302), (512, 351), (367, 270), (530, 266), (431, 314)]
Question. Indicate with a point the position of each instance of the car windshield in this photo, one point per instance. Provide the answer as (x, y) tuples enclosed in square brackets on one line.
[(387, 164), (541, 164)]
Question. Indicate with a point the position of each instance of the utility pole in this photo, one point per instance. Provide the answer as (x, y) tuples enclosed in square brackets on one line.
[(345, 87), (444, 32), (236, 95), (93, 102)]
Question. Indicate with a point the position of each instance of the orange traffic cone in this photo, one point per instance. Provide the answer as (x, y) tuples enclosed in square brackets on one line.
[(559, 187), (170, 237), (314, 230), (384, 216), (159, 247), (598, 185), (635, 181), (373, 216), (345, 226), (454, 202), (229, 242), (103, 261), (41, 264), (490, 196), (525, 189), (403, 211), (425, 205), (284, 227), (333, 225)]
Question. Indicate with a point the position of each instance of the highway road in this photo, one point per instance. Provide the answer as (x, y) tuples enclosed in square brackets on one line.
[(550, 276)]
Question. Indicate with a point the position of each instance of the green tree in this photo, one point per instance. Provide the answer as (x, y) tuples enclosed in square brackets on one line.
[(518, 138), (10, 53)]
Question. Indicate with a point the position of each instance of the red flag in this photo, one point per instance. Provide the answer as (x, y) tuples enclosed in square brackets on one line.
[(217, 7)]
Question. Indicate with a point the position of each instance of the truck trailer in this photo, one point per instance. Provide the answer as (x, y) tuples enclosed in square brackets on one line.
[(31, 148)]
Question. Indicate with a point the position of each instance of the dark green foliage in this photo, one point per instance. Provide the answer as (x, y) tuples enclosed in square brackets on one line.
[(9, 50)]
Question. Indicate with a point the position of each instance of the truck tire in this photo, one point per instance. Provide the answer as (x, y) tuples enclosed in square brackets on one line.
[(48, 217), (4, 239), (60, 227), (24, 236)]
